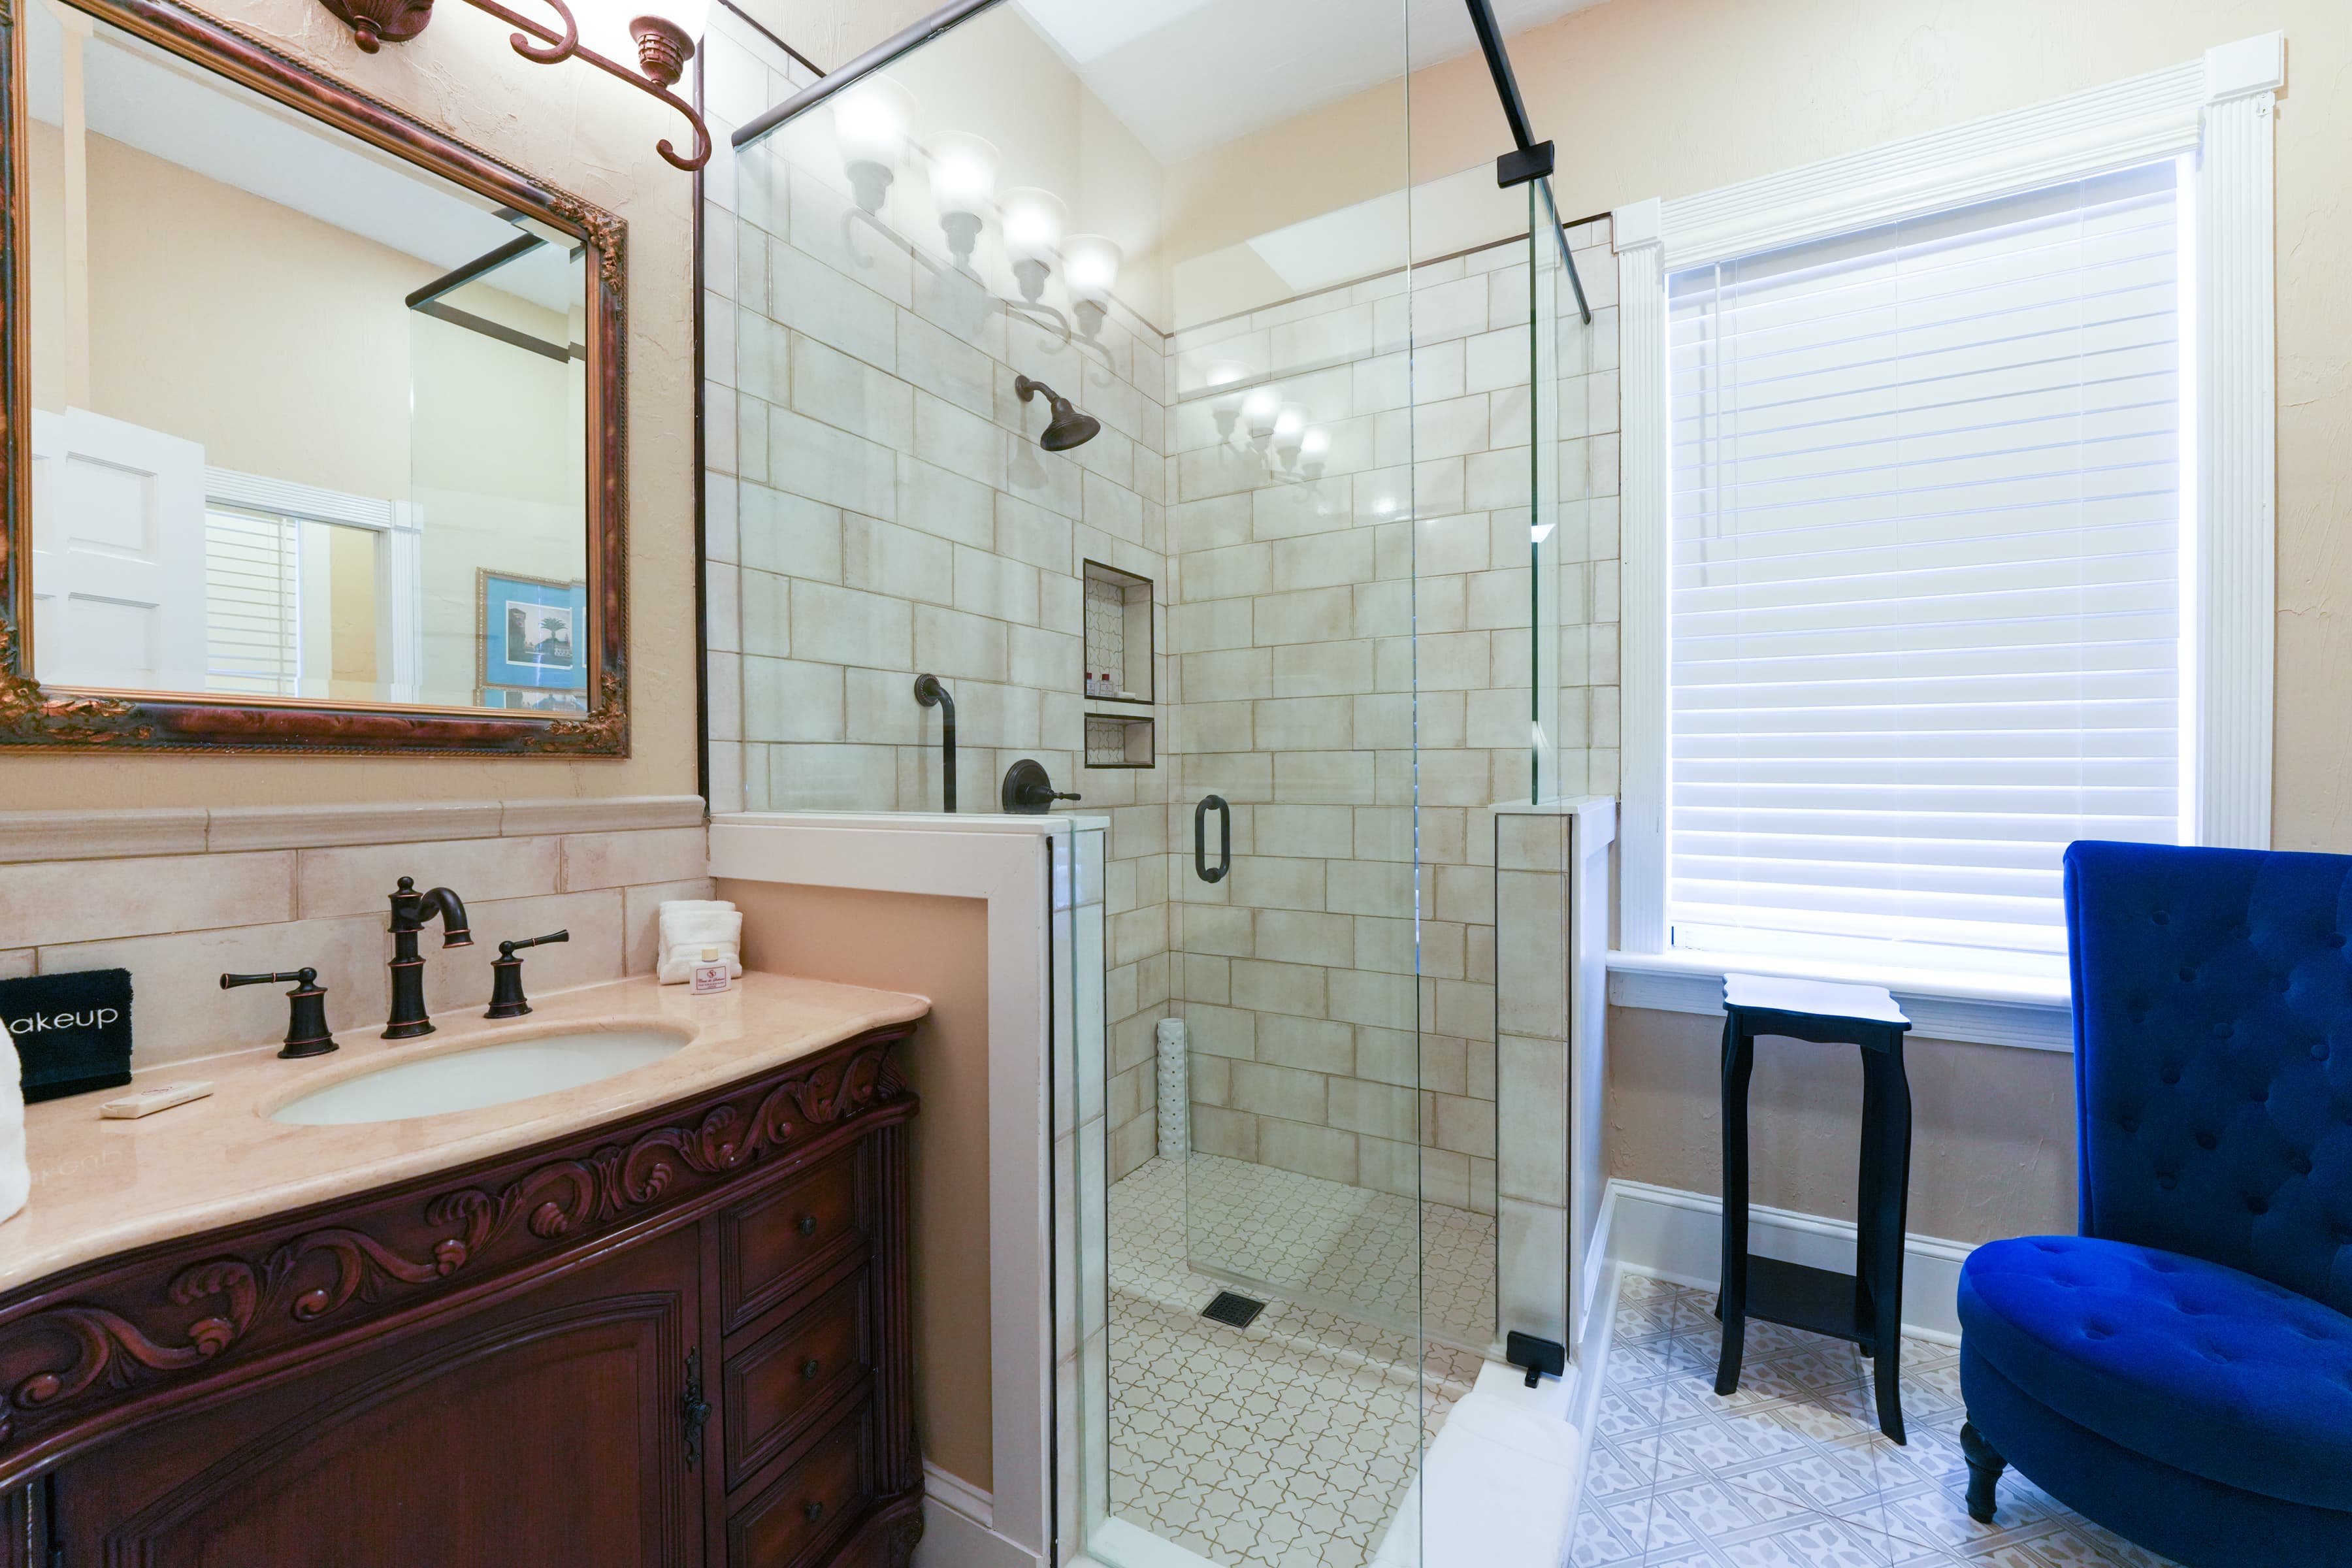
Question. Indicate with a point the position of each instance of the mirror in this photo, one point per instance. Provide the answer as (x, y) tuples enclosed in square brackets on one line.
[(318, 413)]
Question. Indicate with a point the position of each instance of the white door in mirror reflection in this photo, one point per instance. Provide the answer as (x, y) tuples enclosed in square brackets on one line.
[(118, 554)]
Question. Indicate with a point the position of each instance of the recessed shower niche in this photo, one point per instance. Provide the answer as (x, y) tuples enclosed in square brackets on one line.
[(1119, 636)]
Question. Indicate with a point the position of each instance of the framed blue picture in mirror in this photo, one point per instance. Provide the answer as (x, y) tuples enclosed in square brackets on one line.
[(534, 635)]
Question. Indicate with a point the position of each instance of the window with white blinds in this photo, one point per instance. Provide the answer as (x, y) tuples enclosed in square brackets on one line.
[(252, 602), (1926, 576)]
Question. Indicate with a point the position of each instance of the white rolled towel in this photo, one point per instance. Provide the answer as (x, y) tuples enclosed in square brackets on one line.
[(688, 926)]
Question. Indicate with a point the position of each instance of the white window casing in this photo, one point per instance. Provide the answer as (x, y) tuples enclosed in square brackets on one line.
[(2214, 114)]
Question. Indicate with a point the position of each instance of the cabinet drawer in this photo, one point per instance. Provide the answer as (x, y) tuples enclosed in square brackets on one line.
[(804, 1510), (772, 1244), (777, 1386)]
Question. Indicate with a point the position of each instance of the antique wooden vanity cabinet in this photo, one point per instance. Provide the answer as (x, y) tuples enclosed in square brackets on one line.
[(681, 1339)]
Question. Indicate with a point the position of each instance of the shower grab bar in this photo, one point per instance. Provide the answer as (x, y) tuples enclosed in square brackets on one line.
[(887, 52), (931, 694), (1200, 838)]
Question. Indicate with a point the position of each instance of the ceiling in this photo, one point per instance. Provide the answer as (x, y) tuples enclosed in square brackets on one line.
[(1188, 75)]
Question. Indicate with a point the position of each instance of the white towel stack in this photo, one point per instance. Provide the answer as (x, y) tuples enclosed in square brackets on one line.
[(691, 925)]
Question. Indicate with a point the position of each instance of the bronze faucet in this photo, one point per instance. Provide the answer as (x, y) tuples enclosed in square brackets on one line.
[(410, 911)]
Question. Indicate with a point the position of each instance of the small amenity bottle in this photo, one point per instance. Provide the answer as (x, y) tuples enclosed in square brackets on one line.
[(710, 974)]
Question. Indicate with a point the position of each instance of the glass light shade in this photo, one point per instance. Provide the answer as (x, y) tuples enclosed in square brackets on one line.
[(1033, 223), (1259, 408), (1091, 268), (870, 121), (1314, 444), (1226, 371), (963, 173), (1290, 424)]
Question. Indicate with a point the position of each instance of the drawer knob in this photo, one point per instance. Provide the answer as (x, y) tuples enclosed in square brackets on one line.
[(808, 1224), (812, 1512), (809, 1370)]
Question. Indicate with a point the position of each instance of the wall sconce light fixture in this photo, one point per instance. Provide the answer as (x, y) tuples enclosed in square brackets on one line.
[(1032, 233), (963, 187), (664, 46), (869, 124), (1090, 270)]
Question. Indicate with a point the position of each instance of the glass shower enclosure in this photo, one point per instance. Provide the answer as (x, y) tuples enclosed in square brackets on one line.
[(1120, 375)]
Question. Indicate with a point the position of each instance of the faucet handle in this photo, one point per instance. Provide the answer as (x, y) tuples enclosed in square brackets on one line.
[(305, 1015), (509, 948), (507, 1000)]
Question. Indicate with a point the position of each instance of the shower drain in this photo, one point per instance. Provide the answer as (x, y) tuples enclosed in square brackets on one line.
[(1236, 1311)]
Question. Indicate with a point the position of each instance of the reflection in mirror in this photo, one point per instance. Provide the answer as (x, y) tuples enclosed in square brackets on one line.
[(308, 422)]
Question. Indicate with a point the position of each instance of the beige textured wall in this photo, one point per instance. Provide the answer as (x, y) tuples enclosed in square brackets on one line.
[(1992, 1126), (583, 132), (936, 947), (832, 33)]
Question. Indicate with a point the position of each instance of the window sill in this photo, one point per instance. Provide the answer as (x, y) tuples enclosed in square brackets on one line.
[(1999, 1012)]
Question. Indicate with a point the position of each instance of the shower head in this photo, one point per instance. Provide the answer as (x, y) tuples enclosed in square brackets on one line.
[(1069, 428)]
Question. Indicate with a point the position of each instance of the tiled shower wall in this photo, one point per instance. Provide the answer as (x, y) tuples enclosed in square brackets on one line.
[(878, 508), (1297, 598)]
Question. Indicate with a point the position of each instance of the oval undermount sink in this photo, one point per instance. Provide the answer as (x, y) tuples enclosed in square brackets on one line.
[(486, 1075)]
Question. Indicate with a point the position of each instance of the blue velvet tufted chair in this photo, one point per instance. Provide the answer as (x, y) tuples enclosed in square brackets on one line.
[(2181, 1371)]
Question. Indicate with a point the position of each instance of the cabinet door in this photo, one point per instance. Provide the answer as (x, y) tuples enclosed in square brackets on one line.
[(544, 1432)]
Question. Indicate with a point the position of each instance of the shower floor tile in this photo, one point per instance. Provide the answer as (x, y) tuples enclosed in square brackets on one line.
[(1290, 1443), (1791, 1468), (1348, 1249)]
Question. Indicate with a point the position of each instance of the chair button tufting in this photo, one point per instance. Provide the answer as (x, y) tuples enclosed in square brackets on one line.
[(2187, 974), (2207, 1141), (2260, 1093), (2221, 1031), (2160, 917), (2300, 1165), (2172, 1075), (2256, 1205), (2168, 1182), (2336, 939)]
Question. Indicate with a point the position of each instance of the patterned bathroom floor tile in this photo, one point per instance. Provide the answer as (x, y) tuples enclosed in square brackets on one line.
[(1790, 1471)]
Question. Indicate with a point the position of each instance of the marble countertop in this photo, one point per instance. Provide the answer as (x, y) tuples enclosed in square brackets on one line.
[(104, 1187)]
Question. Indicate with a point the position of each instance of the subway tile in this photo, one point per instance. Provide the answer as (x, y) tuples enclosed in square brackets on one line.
[(1294, 989), (851, 395), (844, 626), (1230, 1133), (1465, 1125), (789, 534), (958, 440), (905, 563), (358, 880), (816, 300), (180, 1010), (45, 903), (945, 365), (1297, 936), (1531, 1109), (621, 860), (1322, 1151), (1379, 1110), (831, 466), (789, 699), (1265, 1090), (1309, 1044)]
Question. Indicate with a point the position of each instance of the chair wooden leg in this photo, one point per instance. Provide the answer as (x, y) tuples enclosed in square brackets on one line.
[(1985, 1465)]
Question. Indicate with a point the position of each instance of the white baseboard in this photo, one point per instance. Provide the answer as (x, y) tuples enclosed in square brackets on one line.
[(956, 1528), (1678, 1236)]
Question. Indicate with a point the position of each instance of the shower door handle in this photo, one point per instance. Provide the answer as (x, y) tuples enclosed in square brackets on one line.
[(1200, 838)]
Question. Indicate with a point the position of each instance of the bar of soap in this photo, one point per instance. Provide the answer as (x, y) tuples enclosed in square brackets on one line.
[(147, 1102)]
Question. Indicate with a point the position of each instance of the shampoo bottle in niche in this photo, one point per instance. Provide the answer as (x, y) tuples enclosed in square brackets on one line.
[(711, 972)]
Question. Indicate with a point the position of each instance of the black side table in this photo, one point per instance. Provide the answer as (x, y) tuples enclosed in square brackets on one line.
[(1866, 1306)]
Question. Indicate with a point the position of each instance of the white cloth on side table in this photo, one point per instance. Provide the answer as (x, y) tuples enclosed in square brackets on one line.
[(691, 925)]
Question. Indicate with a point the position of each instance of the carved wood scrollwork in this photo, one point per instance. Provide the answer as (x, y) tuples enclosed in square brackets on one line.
[(81, 1351)]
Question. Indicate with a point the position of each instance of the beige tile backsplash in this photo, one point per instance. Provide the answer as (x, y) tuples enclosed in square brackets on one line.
[(597, 869)]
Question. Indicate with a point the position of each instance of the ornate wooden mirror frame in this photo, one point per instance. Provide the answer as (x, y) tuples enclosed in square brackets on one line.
[(59, 718)]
